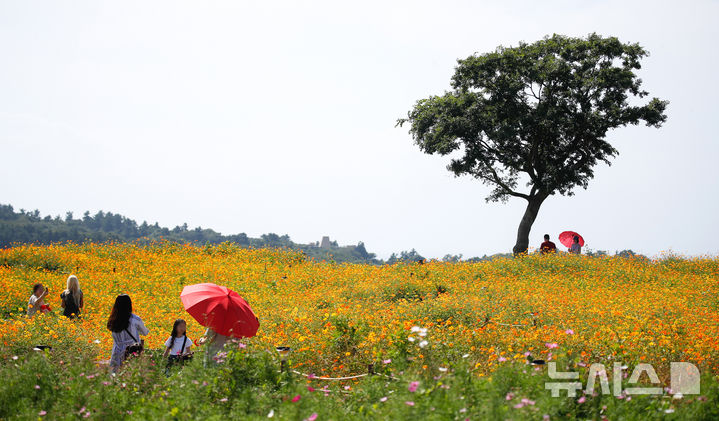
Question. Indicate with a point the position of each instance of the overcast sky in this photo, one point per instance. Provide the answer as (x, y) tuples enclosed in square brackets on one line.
[(266, 116)]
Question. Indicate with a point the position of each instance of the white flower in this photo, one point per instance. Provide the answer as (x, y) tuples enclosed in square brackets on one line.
[(271, 414), (465, 355), (422, 344), (442, 369), (415, 329), (411, 338), (678, 396)]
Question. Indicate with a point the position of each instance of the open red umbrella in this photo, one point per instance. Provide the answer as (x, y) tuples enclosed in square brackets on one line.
[(221, 309), (567, 238)]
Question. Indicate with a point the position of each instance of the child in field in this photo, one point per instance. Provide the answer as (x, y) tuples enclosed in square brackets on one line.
[(177, 346), (37, 301)]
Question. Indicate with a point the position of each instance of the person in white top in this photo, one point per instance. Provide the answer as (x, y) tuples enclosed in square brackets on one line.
[(37, 300), (126, 329), (178, 344)]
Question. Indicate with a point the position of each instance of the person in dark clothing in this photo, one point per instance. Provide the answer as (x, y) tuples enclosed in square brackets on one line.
[(547, 246)]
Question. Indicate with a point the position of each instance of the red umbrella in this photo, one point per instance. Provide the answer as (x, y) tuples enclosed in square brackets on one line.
[(567, 238), (221, 309)]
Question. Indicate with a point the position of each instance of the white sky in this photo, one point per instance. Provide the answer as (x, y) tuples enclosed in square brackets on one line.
[(265, 116)]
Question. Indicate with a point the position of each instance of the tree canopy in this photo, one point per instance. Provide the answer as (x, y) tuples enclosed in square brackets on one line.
[(536, 114)]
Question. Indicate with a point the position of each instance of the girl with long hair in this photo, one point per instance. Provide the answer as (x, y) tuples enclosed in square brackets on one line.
[(177, 346), (126, 329), (72, 298)]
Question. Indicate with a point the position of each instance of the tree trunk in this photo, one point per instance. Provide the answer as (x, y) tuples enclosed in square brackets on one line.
[(525, 226)]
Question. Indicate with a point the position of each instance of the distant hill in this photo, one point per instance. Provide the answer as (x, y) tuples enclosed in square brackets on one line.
[(31, 227)]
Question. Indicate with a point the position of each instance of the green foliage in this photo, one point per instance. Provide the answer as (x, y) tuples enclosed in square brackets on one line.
[(248, 385), (405, 257)]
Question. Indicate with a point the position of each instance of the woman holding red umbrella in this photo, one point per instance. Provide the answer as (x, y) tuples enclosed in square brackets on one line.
[(573, 241), (222, 311)]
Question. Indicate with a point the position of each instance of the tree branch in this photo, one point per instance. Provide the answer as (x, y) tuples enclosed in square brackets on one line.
[(496, 179)]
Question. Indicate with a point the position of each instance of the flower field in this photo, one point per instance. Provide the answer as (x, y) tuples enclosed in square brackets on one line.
[(415, 317)]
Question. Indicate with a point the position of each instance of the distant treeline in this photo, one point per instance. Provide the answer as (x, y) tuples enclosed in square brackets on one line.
[(29, 227)]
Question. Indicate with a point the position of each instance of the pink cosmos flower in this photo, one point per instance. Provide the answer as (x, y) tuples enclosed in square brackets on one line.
[(501, 359), (42, 413), (310, 389), (223, 400), (569, 332), (413, 386), (509, 396), (551, 345), (582, 399), (387, 361), (296, 398), (383, 399), (37, 386), (409, 403), (312, 417), (519, 405)]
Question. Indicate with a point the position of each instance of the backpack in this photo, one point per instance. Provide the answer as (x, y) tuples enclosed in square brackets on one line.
[(70, 305)]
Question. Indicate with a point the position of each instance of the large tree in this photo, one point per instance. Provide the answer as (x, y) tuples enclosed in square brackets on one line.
[(536, 114)]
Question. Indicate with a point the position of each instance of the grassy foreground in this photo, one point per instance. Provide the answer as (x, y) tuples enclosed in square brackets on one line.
[(448, 341)]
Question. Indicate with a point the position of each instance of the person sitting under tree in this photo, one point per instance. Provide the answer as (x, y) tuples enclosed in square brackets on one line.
[(547, 246)]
